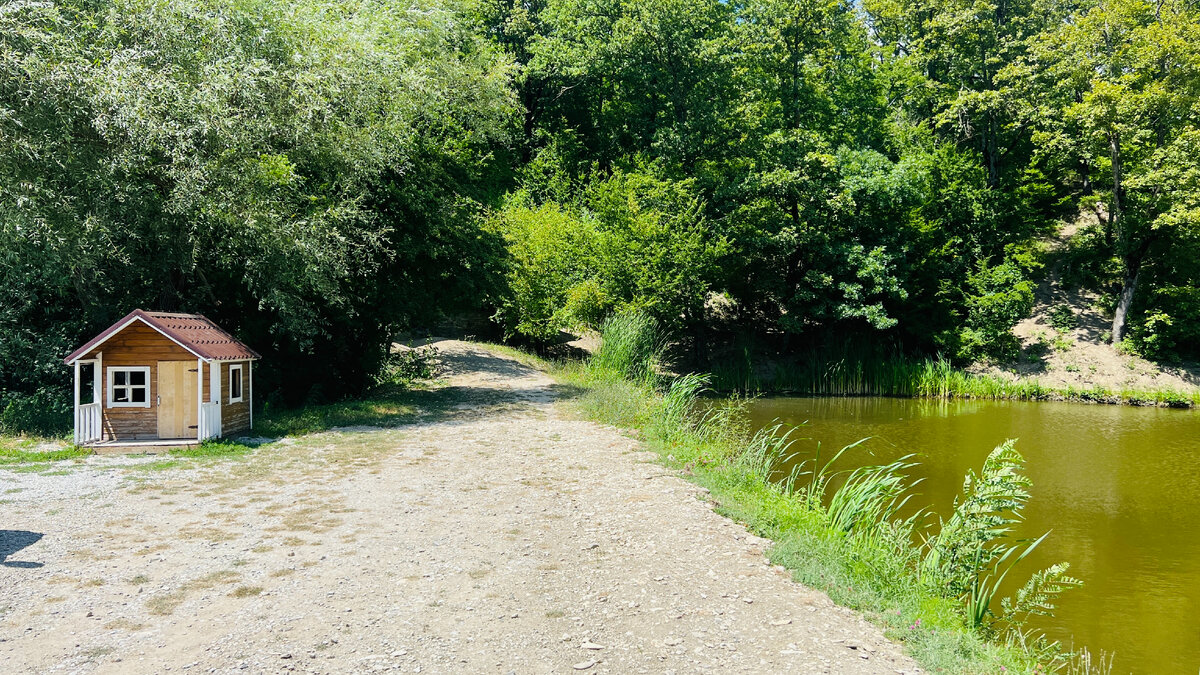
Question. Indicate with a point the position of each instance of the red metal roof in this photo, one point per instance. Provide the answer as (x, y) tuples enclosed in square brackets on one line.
[(193, 332)]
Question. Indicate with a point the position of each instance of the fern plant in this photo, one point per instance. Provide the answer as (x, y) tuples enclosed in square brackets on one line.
[(972, 539), (1039, 595), (972, 555)]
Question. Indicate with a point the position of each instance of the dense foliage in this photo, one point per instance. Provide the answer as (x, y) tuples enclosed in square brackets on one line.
[(298, 171), (318, 175)]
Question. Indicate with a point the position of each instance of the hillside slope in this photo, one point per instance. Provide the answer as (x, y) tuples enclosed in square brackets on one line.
[(1080, 356)]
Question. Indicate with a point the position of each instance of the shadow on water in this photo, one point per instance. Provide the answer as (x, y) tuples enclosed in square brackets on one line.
[(12, 541)]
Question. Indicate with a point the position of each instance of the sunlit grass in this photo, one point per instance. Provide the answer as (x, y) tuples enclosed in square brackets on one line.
[(31, 450)]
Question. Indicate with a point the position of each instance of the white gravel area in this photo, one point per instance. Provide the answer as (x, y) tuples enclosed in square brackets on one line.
[(498, 536)]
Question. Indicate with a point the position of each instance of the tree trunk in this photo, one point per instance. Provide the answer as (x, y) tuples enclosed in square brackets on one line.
[(1113, 226), (1128, 289)]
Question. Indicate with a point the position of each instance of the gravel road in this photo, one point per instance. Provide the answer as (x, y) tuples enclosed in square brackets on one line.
[(497, 536)]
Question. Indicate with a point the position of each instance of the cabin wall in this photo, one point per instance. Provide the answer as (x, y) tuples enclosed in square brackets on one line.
[(137, 345), (235, 416)]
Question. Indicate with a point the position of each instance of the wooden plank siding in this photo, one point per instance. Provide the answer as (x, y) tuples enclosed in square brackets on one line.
[(235, 416), (138, 345)]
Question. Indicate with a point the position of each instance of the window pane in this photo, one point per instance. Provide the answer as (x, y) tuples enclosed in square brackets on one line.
[(138, 394), (119, 377), (137, 377), (120, 395), (235, 383)]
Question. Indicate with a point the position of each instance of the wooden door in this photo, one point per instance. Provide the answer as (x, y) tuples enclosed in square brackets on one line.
[(177, 414)]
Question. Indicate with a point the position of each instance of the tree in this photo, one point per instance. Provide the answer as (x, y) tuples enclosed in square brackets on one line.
[(261, 162), (631, 240), (1128, 74)]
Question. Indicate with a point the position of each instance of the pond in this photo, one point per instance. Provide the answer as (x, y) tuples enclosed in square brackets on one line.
[(1119, 488)]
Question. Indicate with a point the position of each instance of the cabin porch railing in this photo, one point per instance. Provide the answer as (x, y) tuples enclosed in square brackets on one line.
[(88, 426), (210, 420)]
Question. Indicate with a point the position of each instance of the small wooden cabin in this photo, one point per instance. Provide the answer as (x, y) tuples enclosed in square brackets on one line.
[(160, 375)]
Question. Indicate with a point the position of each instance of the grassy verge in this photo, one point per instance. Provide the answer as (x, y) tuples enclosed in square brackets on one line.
[(31, 450), (381, 410), (935, 592), (830, 372)]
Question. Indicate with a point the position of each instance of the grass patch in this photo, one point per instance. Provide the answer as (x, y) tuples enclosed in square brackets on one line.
[(31, 450), (388, 407), (246, 591), (166, 603), (213, 448)]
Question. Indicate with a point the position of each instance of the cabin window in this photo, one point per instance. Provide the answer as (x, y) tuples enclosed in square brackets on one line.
[(235, 383), (129, 387)]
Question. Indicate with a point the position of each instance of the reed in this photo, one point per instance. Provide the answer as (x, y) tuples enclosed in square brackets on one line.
[(856, 371), (630, 346)]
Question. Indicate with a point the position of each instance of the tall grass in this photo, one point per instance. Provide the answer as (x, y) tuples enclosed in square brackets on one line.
[(842, 530), (631, 346), (853, 370)]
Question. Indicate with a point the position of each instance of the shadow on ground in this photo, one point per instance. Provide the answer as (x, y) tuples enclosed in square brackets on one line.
[(12, 541), (399, 406)]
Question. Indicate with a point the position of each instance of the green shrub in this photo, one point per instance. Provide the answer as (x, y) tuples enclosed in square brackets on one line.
[(1001, 296), (46, 412), (409, 365)]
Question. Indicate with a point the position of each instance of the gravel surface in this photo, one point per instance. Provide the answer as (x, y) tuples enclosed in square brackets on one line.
[(498, 536)]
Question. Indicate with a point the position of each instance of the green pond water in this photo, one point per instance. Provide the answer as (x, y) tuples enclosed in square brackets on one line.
[(1118, 486)]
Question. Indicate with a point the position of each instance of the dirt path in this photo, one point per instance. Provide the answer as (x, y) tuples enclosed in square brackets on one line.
[(499, 537)]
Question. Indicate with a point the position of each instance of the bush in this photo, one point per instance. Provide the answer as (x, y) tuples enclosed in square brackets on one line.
[(1063, 319), (43, 413), (1001, 297), (1167, 329), (408, 365)]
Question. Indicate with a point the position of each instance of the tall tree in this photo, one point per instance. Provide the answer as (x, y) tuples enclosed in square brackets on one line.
[(1128, 75), (234, 159)]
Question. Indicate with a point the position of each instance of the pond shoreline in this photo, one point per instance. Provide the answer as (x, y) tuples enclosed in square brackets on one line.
[(1143, 399), (1116, 486), (871, 574)]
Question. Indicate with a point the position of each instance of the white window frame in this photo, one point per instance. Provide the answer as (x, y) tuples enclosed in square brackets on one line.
[(241, 380), (110, 403)]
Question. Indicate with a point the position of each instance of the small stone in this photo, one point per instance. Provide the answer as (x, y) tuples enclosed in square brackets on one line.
[(748, 601), (583, 665), (591, 645), (671, 642), (781, 622), (285, 656)]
